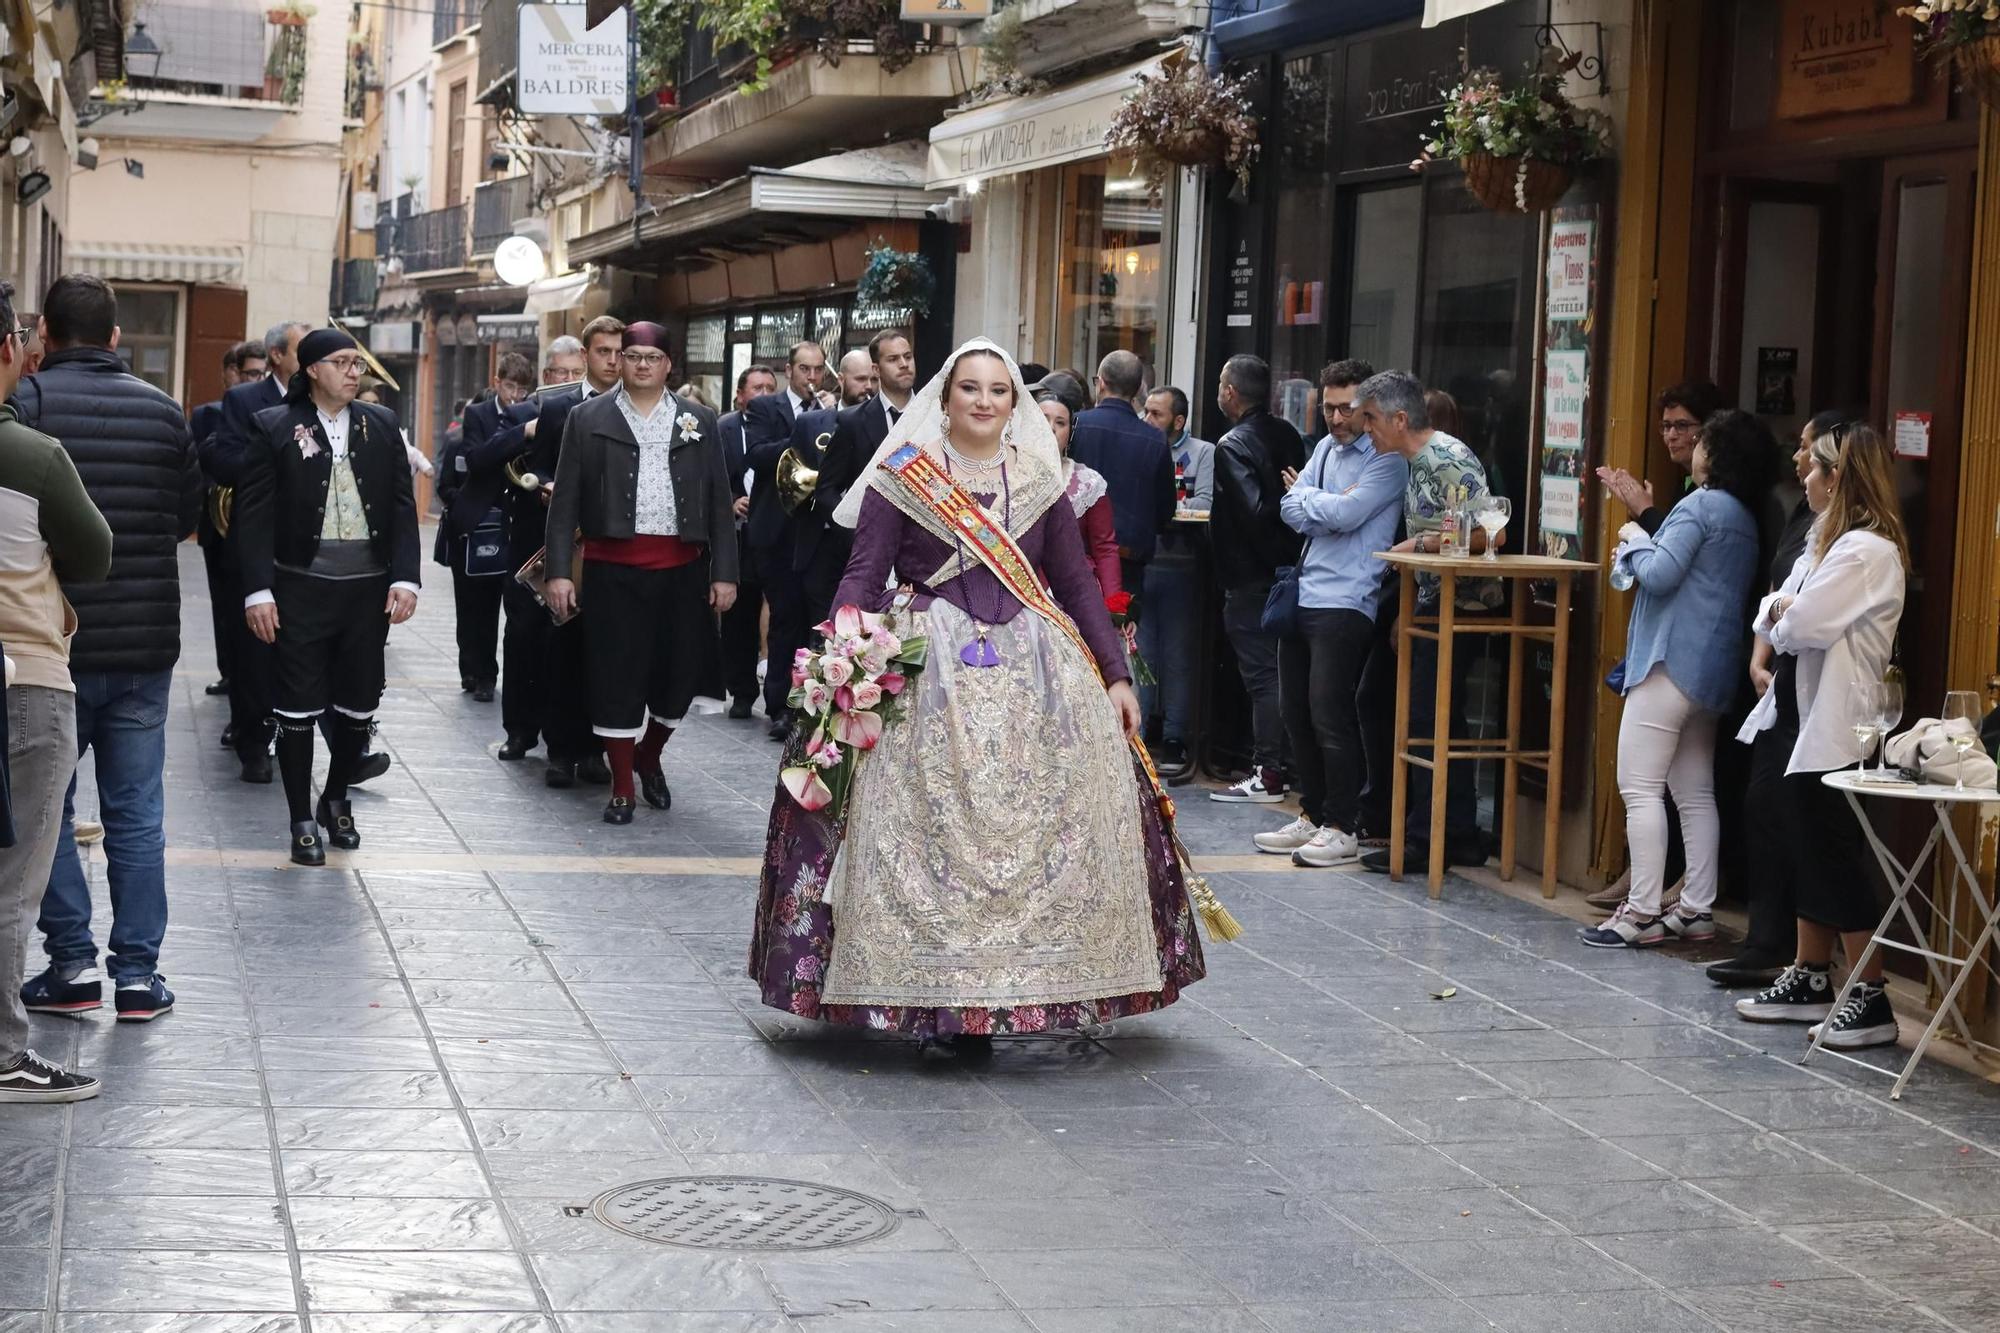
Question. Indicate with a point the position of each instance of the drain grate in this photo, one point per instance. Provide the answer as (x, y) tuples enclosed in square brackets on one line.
[(743, 1213)]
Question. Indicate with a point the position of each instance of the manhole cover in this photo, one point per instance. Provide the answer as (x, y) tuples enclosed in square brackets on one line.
[(743, 1213)]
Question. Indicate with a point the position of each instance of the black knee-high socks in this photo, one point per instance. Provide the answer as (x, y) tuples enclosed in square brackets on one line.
[(295, 765), (349, 740)]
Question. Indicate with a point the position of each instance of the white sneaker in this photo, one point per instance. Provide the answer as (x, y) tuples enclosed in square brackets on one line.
[(1250, 791), (1328, 847), (1288, 839)]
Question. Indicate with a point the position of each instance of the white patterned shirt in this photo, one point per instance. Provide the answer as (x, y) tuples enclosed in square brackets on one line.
[(654, 514)]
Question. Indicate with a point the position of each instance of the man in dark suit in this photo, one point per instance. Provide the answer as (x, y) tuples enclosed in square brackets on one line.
[(543, 687), (642, 480), (243, 362), (251, 725), (1132, 455), (819, 546), (857, 434), (327, 520), (478, 569), (768, 426), (742, 627)]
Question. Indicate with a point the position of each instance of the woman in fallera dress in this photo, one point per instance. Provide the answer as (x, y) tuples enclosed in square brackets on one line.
[(1002, 865)]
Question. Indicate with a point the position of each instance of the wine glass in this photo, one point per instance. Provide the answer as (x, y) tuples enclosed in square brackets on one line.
[(1961, 726), (1888, 712), (1866, 708), (1493, 512)]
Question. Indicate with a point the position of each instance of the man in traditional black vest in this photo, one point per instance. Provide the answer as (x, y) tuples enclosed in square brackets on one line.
[(641, 477), (544, 688), (328, 525), (222, 453)]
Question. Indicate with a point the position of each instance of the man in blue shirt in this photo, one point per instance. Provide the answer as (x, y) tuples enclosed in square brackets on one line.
[(1346, 504), (1131, 454)]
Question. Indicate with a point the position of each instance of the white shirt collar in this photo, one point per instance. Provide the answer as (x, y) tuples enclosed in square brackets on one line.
[(335, 427)]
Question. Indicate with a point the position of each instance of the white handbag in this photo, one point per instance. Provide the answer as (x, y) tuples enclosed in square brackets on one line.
[(1926, 748)]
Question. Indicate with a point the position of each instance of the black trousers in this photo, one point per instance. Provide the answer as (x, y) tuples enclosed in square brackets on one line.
[(1319, 673), (478, 605), (786, 633), (1776, 852), (332, 640), (821, 578), (253, 668), (222, 609), (524, 678), (743, 630), (566, 695), (648, 631)]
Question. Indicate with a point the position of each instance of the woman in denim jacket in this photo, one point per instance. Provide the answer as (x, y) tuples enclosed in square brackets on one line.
[(1683, 656)]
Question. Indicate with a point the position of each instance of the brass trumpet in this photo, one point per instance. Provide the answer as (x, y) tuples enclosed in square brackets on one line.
[(221, 508), (796, 481)]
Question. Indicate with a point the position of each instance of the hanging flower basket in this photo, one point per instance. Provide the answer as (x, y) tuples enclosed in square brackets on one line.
[(1516, 184), (1977, 65), (895, 277), (1963, 36), (1521, 145), (1184, 116)]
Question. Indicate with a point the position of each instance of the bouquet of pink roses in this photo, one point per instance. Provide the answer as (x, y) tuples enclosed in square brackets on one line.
[(844, 693)]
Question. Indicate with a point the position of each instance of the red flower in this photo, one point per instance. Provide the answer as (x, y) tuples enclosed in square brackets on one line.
[(1031, 1018), (805, 1001), (1118, 603), (976, 1022)]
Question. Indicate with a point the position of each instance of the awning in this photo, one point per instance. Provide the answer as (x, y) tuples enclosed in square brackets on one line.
[(140, 261), (1026, 133), (1444, 11), (770, 208), (547, 296)]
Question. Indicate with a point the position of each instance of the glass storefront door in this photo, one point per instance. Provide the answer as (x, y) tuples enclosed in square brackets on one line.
[(1108, 288)]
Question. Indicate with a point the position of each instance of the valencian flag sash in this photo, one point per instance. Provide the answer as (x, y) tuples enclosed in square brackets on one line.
[(952, 505)]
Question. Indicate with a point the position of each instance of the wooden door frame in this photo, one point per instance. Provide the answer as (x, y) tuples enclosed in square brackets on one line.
[(1737, 196)]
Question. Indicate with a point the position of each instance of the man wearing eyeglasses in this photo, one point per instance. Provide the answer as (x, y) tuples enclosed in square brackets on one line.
[(330, 556), (642, 477)]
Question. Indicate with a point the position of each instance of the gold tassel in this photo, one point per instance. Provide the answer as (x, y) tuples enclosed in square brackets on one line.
[(1215, 918)]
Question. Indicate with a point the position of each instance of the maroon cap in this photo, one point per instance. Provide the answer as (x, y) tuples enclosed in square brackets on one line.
[(645, 334)]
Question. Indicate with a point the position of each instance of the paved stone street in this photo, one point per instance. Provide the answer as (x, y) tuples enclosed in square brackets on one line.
[(392, 1090)]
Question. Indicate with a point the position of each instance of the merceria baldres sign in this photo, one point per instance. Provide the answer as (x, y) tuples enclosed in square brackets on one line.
[(568, 69)]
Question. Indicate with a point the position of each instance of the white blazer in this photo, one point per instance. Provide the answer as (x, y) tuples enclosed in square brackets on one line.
[(1841, 626)]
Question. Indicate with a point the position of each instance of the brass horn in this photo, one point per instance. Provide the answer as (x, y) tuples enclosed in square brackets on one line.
[(796, 481), (221, 508), (518, 474)]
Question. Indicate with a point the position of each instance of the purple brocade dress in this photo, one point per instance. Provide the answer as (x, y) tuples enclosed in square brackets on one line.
[(1002, 866)]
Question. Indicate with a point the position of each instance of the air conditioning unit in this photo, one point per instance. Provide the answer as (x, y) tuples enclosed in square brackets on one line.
[(364, 210)]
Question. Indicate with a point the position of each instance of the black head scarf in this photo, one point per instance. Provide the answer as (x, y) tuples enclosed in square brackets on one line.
[(314, 348)]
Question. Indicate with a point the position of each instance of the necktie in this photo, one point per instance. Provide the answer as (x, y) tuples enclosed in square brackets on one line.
[(895, 415)]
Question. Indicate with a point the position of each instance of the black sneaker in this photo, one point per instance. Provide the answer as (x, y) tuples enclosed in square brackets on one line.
[(57, 992), (1865, 1020), (143, 1000), (33, 1079), (1800, 995)]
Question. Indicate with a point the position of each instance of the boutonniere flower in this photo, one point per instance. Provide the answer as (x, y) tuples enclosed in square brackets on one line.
[(689, 424), (308, 445)]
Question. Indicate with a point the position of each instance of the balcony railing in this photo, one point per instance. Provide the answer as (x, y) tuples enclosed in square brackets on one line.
[(451, 17), (226, 52), (496, 206), (357, 281), (425, 242)]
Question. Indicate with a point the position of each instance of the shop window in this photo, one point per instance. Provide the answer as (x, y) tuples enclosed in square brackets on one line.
[(1382, 301), (1108, 293), (778, 331), (827, 323), (708, 358), (865, 321), (1303, 249), (149, 335)]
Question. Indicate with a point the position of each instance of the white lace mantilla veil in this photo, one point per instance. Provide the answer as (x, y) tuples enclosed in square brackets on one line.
[(1036, 477)]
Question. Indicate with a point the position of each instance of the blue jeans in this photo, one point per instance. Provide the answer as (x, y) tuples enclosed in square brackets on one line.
[(1169, 610), (123, 718)]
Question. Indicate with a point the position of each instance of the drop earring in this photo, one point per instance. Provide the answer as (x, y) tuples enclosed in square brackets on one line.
[(1007, 434)]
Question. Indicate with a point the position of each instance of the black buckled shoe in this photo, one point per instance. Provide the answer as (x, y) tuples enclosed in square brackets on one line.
[(653, 786), (559, 775), (337, 818), (307, 849), (515, 749), (618, 810)]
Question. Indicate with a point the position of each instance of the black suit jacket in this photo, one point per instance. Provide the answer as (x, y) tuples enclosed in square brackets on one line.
[(767, 433), (488, 444), (201, 426), (805, 525), (222, 453), (526, 515), (281, 498)]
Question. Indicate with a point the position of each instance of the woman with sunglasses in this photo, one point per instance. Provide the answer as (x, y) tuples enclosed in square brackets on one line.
[(1832, 627)]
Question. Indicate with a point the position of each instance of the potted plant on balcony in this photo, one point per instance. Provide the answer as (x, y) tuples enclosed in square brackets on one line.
[(1520, 146), (1185, 116), (896, 278), (291, 14), (1965, 35), (285, 68), (776, 31)]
